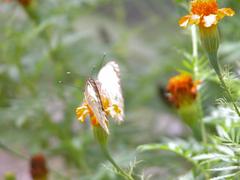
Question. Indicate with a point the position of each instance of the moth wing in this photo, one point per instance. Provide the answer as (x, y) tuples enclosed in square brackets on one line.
[(110, 84), (94, 102)]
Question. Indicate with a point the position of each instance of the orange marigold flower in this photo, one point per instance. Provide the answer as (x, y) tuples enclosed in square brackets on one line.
[(205, 13), (38, 169), (182, 90)]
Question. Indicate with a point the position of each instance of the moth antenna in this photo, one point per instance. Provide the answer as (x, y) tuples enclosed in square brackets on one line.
[(103, 58), (69, 76), (69, 73), (68, 85), (97, 67)]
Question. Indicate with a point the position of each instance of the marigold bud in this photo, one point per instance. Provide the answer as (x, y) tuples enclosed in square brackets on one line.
[(38, 169), (182, 91)]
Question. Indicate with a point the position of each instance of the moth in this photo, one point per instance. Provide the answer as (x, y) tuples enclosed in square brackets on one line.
[(103, 97)]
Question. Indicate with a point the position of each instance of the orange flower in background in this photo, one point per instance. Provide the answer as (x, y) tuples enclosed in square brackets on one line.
[(204, 13), (182, 90), (22, 2), (38, 169), (25, 2)]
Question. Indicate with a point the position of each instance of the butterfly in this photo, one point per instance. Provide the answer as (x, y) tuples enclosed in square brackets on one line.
[(103, 97)]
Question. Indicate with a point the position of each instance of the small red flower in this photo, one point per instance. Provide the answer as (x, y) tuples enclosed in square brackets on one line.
[(22, 2), (38, 169)]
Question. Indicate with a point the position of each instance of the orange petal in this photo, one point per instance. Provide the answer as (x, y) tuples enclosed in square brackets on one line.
[(184, 21), (94, 121)]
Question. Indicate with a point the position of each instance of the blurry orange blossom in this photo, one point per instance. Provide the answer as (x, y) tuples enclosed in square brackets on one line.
[(182, 90)]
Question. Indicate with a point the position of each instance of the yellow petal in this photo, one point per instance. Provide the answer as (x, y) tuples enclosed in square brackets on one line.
[(183, 22), (210, 20), (225, 12), (194, 19), (82, 112), (83, 116)]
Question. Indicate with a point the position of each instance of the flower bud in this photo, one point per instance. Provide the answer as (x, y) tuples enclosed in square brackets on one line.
[(210, 38), (182, 91), (38, 167), (9, 176), (100, 134)]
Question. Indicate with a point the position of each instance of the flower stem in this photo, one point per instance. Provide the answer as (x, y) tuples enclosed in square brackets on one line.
[(195, 73), (203, 128), (194, 41), (110, 159), (214, 61)]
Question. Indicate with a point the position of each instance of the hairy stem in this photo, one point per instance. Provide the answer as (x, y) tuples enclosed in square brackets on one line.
[(214, 61), (110, 159)]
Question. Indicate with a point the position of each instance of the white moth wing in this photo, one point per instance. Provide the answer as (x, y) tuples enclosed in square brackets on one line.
[(94, 102), (109, 79)]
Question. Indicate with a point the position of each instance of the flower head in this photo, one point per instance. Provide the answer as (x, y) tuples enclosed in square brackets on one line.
[(204, 13), (38, 169), (102, 98), (85, 110), (182, 90)]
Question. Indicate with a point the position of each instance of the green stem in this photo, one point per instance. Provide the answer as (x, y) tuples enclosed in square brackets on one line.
[(110, 159), (195, 71), (194, 41), (13, 151), (203, 128), (214, 61)]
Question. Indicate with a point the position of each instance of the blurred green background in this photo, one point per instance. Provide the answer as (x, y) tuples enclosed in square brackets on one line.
[(47, 51)]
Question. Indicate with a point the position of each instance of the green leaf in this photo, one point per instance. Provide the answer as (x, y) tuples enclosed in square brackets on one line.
[(167, 147), (226, 150), (227, 168), (207, 156), (222, 133), (223, 176)]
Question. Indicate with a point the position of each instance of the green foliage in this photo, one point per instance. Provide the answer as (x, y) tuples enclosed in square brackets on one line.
[(49, 49)]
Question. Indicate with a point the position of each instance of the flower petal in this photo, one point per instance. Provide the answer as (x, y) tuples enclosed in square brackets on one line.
[(194, 19), (210, 20), (225, 12), (184, 21), (82, 112)]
